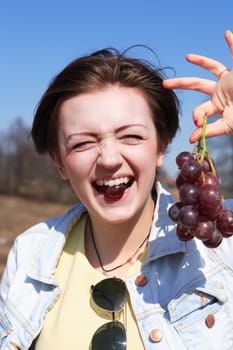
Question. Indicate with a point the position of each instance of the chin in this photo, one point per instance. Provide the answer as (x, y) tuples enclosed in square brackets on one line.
[(117, 215)]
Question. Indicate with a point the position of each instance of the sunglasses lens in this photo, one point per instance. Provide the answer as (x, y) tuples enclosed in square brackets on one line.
[(109, 294), (110, 336)]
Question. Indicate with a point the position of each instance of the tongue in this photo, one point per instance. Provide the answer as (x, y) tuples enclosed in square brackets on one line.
[(115, 192)]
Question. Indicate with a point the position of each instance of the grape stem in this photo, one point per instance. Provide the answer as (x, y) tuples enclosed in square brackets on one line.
[(202, 146)]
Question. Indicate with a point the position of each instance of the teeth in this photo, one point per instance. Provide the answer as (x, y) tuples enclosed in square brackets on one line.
[(115, 182)]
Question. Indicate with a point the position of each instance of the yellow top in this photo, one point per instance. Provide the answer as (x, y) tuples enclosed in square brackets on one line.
[(71, 323)]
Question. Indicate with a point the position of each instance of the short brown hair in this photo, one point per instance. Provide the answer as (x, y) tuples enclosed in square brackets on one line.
[(95, 71)]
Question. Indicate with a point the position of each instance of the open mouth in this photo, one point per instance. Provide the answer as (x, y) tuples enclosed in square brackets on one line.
[(113, 188)]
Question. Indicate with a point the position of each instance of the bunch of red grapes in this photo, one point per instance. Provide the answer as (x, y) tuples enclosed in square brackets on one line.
[(199, 212)]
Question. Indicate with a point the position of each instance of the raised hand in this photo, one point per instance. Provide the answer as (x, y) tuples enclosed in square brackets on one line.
[(220, 92)]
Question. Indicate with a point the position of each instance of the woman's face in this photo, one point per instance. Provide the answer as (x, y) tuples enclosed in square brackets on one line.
[(109, 151)]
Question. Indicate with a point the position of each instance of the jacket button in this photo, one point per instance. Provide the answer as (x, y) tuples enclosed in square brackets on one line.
[(156, 335), (141, 280), (210, 320)]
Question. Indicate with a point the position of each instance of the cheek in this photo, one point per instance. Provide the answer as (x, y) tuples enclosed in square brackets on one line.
[(77, 166), (144, 159), (152, 147), (152, 155), (151, 158)]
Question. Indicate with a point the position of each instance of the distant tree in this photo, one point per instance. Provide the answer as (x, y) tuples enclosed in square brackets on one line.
[(23, 172)]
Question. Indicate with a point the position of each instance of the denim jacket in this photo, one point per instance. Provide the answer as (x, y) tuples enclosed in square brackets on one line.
[(184, 302)]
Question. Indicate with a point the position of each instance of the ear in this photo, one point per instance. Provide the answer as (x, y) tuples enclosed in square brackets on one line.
[(58, 165), (159, 160)]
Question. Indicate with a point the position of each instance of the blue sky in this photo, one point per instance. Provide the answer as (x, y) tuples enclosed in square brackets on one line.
[(38, 38)]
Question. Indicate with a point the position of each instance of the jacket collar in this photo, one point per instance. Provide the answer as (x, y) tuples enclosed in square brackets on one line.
[(47, 258), (163, 239)]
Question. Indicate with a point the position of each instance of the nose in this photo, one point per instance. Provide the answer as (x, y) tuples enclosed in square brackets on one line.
[(109, 154)]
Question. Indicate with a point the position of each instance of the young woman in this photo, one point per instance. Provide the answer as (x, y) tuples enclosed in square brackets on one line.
[(111, 273)]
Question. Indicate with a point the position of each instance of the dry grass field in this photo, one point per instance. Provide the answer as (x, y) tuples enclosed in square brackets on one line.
[(16, 215)]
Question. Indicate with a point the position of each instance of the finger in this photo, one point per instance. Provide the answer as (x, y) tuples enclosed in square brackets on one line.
[(210, 64), (195, 136), (213, 129), (199, 84), (206, 107), (229, 39)]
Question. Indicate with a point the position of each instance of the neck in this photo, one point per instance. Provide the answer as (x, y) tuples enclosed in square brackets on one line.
[(118, 243)]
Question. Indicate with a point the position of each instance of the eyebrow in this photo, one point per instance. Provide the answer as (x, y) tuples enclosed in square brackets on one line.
[(92, 134), (130, 126)]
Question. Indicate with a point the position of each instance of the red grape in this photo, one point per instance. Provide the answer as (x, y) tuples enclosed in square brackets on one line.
[(188, 194), (206, 167), (224, 222), (183, 157), (115, 192), (205, 229), (180, 181), (188, 216), (210, 196), (215, 240), (210, 213), (191, 170), (183, 233), (208, 178), (174, 210)]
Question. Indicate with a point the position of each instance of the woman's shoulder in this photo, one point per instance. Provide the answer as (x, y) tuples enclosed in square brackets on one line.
[(59, 224), (42, 242), (49, 233)]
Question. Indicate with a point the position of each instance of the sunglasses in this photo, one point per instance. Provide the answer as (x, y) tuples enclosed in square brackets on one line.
[(109, 295)]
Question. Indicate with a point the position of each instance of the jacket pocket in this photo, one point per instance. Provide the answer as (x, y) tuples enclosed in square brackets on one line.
[(202, 317)]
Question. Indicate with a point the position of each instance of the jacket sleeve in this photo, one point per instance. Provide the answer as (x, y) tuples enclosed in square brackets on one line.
[(9, 273), (7, 279)]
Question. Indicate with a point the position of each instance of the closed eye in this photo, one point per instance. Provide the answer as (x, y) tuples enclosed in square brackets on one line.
[(132, 138), (83, 146)]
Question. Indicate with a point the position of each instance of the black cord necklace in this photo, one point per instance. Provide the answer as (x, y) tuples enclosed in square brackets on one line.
[(124, 263)]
